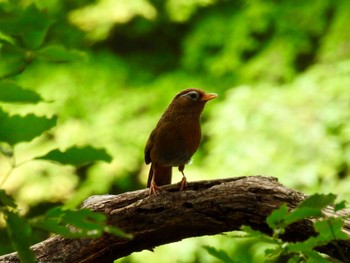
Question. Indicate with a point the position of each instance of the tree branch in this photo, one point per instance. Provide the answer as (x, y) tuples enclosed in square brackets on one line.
[(205, 208)]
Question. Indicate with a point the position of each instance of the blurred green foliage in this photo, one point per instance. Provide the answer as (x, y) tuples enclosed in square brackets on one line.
[(109, 68), (277, 250)]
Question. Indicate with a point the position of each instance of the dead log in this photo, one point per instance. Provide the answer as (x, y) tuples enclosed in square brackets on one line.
[(205, 208)]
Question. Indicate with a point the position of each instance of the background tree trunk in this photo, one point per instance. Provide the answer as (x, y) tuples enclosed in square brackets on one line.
[(205, 208)]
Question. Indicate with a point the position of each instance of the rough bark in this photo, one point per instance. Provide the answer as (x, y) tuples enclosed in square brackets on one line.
[(205, 208)]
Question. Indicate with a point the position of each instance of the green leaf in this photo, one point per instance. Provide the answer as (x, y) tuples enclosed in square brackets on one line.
[(277, 217), (117, 232), (52, 226), (77, 223), (10, 92), (219, 254), (72, 224), (15, 129), (7, 38), (272, 254), (331, 229), (314, 256), (6, 200), (302, 213), (77, 156), (251, 233), (318, 201), (301, 247), (339, 206), (60, 54), (19, 232), (11, 62), (310, 207), (35, 25), (84, 219)]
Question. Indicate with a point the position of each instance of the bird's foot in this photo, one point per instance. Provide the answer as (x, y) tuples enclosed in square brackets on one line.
[(154, 188), (183, 183)]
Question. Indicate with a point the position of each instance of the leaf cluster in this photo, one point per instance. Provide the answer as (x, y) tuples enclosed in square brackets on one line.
[(23, 39), (328, 230)]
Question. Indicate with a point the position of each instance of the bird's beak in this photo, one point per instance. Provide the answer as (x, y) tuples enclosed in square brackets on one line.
[(209, 96)]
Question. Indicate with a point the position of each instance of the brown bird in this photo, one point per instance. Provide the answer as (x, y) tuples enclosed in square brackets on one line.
[(175, 138)]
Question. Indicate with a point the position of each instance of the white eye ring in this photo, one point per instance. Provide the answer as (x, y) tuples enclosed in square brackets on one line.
[(193, 95)]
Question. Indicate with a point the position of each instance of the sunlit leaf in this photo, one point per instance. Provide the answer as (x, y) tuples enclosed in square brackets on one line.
[(6, 200), (10, 92), (15, 129), (60, 54), (20, 234), (77, 156)]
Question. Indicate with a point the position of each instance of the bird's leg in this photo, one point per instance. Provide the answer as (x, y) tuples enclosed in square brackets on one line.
[(153, 187), (183, 182)]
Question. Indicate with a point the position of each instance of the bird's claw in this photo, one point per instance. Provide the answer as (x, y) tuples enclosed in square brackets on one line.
[(154, 188), (183, 183)]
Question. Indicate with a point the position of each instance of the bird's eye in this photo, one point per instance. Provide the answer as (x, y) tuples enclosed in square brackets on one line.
[(193, 95)]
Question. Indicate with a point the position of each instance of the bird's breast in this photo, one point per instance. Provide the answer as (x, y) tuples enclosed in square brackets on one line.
[(176, 141)]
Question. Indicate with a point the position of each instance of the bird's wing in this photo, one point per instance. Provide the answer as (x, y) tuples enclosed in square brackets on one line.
[(149, 145)]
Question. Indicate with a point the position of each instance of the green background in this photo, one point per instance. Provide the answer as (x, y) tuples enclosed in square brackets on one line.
[(109, 68)]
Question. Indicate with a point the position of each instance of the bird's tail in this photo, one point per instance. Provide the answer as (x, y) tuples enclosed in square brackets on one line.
[(162, 175)]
